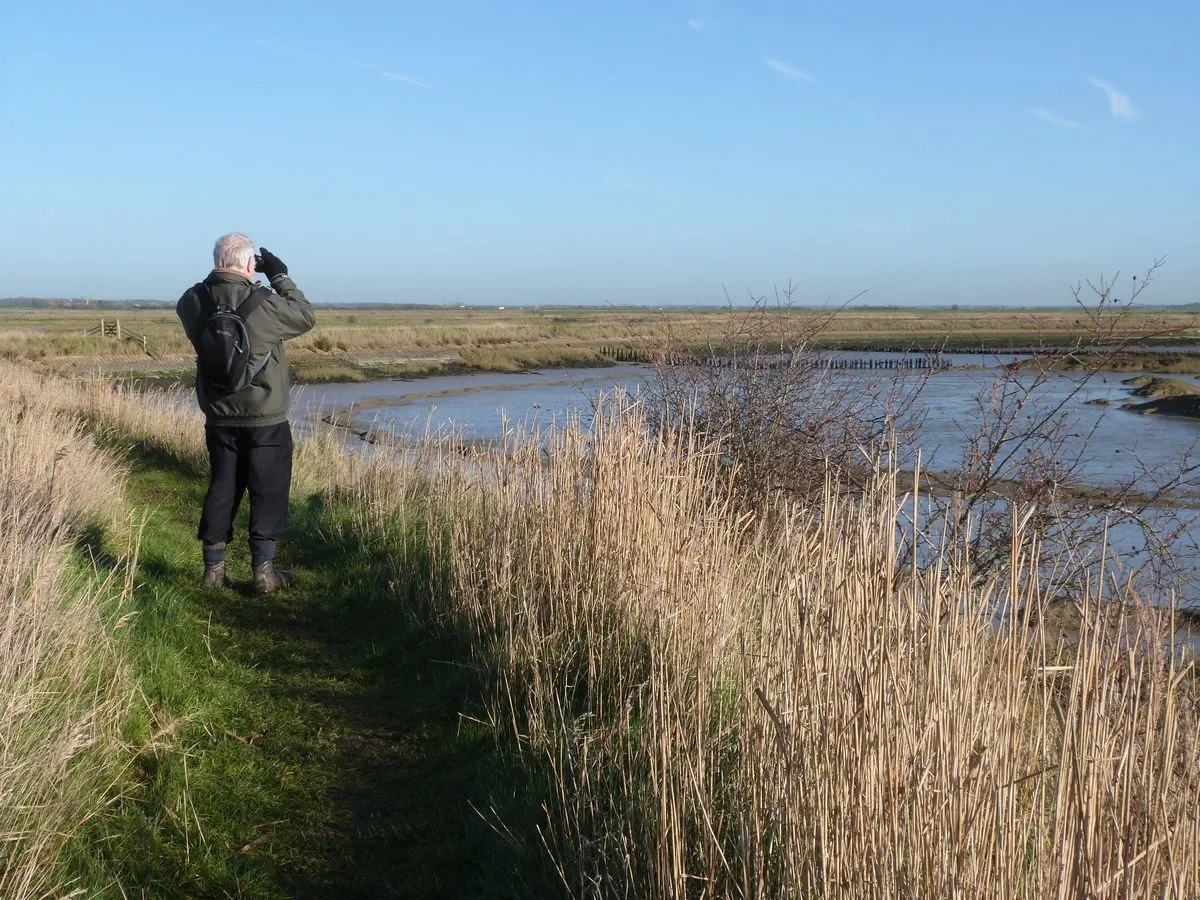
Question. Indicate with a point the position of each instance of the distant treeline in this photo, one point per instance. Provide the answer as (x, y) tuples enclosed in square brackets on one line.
[(74, 303), (85, 303)]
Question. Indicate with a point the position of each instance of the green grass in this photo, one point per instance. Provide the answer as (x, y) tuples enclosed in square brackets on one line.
[(1166, 363), (328, 373), (321, 743), (520, 360), (398, 341), (1155, 388)]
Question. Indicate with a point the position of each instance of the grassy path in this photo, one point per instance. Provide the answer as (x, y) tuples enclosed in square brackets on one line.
[(314, 744)]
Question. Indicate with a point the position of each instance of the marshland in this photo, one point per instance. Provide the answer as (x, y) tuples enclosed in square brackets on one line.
[(354, 344), (729, 451), (651, 642)]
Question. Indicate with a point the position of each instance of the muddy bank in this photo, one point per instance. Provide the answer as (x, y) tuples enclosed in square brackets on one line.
[(1180, 407), (1180, 626), (1163, 397), (1182, 363), (944, 484)]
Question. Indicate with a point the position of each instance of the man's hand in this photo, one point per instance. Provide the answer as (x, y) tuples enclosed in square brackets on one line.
[(269, 264)]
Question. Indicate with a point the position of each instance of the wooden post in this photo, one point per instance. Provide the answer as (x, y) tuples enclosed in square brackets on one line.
[(118, 329)]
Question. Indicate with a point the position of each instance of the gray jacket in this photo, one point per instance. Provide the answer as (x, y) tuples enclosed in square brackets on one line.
[(285, 314)]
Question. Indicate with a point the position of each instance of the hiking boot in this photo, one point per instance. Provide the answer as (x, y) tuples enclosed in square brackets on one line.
[(215, 577), (268, 579)]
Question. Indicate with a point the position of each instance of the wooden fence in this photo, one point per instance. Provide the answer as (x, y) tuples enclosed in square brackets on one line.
[(112, 328)]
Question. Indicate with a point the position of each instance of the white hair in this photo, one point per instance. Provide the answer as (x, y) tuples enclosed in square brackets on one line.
[(233, 251)]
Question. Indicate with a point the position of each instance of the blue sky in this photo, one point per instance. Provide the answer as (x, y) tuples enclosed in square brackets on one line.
[(605, 152)]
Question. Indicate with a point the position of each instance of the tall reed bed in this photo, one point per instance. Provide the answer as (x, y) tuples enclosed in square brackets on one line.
[(746, 707), (739, 706), (167, 422), (62, 691)]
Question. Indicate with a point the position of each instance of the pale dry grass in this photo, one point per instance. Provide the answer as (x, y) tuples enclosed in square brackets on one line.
[(157, 420), (732, 708), (377, 488), (54, 339), (740, 706), (62, 690), (165, 421)]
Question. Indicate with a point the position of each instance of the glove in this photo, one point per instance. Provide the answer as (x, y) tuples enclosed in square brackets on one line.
[(269, 264)]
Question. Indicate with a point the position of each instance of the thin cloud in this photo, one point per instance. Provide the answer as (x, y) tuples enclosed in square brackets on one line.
[(1049, 115), (619, 178), (786, 71), (1118, 101), (697, 24), (391, 76), (285, 50), (297, 53)]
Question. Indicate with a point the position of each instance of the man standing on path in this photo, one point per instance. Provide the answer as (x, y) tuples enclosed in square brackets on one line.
[(246, 430)]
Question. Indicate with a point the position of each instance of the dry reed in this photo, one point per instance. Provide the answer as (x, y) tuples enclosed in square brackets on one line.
[(62, 691), (737, 708)]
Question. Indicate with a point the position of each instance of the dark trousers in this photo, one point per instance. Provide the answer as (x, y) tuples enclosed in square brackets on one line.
[(258, 460)]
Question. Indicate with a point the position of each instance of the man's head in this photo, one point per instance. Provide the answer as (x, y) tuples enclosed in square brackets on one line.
[(234, 251)]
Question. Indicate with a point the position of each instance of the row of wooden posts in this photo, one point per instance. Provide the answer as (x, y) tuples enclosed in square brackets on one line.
[(892, 362), (922, 361)]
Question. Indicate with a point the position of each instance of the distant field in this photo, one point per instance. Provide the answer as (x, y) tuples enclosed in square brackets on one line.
[(357, 343)]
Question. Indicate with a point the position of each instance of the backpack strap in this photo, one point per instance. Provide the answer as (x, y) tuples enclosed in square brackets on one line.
[(256, 299), (252, 371), (208, 303)]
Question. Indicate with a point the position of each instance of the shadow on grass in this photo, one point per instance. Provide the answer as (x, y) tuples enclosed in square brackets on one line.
[(411, 769), (90, 543), (335, 747)]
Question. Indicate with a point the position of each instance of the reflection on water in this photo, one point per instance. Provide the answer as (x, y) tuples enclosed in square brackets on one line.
[(1119, 444), (478, 406), (1114, 445)]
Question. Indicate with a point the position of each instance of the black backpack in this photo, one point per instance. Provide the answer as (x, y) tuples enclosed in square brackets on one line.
[(223, 345)]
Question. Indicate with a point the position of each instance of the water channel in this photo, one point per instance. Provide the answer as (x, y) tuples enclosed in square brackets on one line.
[(1115, 445), (1120, 444)]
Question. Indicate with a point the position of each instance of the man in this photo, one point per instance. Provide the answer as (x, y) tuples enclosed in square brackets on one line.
[(246, 430)]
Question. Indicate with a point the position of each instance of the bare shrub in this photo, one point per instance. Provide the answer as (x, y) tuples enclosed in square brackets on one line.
[(1027, 445), (782, 415)]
